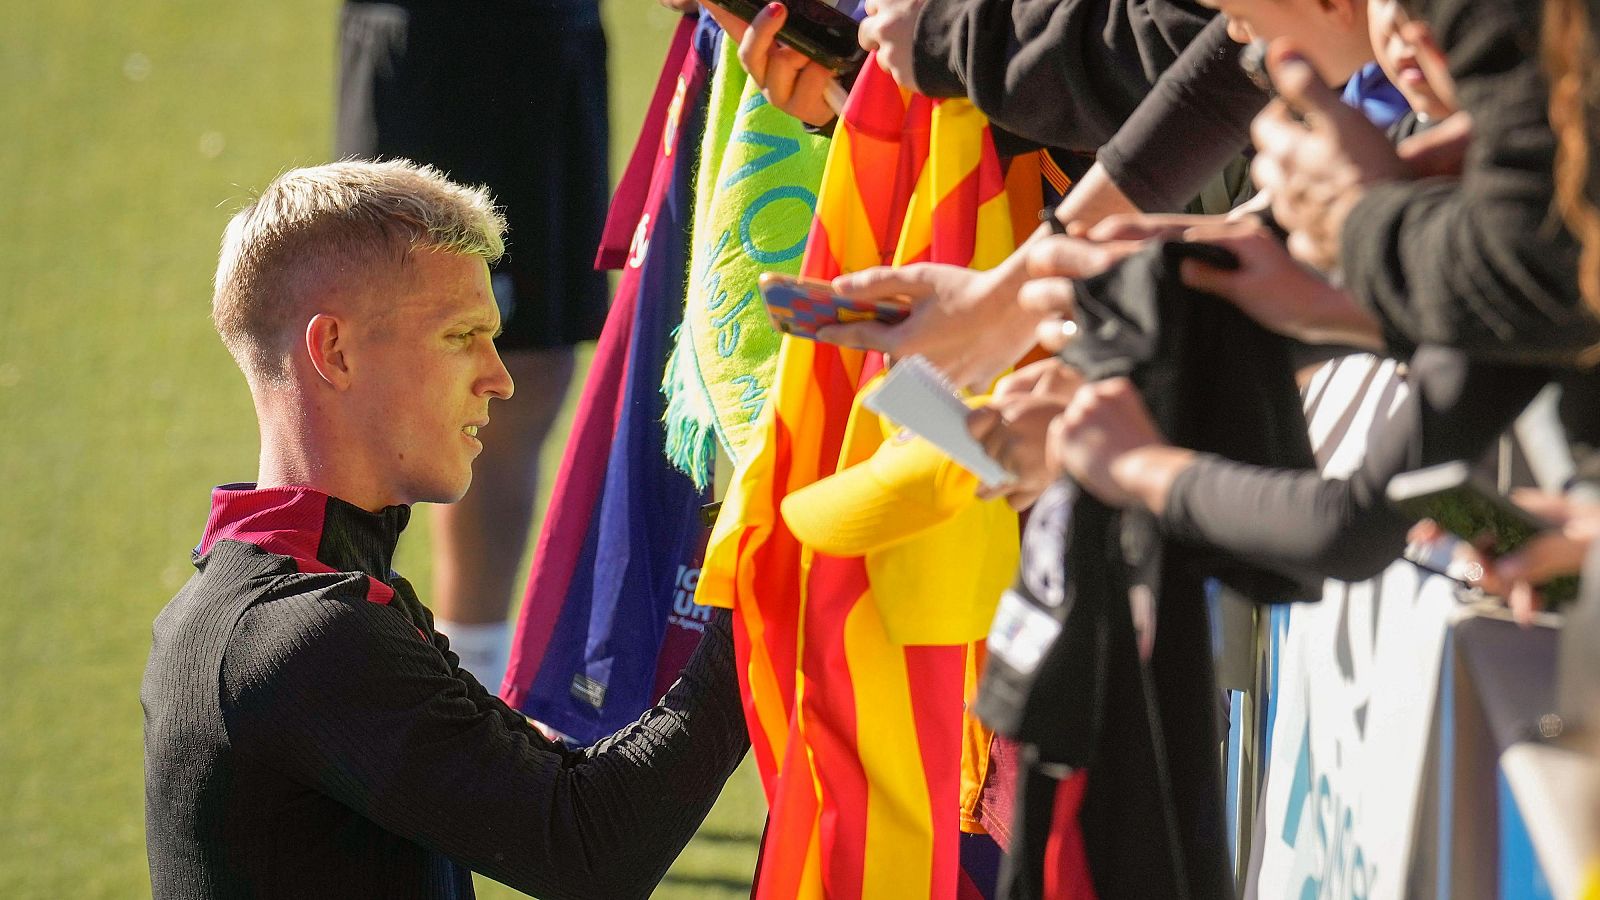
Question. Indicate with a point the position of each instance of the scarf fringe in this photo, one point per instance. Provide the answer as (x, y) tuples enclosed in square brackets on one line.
[(691, 436)]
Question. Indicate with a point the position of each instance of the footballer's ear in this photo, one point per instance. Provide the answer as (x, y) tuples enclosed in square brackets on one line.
[(327, 346)]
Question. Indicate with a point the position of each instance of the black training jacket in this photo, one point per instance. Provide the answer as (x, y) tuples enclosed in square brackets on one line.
[(308, 734)]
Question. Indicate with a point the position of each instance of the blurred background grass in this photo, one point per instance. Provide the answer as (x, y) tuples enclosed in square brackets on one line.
[(131, 133)]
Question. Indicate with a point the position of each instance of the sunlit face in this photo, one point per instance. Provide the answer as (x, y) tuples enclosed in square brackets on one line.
[(1435, 65), (424, 372), (1331, 35), (1405, 50)]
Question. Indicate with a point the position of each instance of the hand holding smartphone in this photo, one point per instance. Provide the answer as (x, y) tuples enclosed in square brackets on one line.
[(1474, 512), (814, 28), (800, 306), (1463, 505)]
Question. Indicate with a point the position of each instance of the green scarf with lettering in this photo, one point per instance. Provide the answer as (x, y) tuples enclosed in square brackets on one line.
[(755, 194)]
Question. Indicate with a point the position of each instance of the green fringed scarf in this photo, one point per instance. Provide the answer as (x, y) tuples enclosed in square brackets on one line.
[(755, 195)]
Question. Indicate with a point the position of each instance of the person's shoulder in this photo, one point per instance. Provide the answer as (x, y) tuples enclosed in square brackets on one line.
[(248, 611), (235, 576), (308, 631), (298, 610), (229, 577)]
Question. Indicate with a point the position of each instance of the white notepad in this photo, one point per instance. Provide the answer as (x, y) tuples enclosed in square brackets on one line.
[(918, 398)]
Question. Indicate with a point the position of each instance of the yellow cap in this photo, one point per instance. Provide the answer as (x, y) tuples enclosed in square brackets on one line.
[(905, 487), (937, 557)]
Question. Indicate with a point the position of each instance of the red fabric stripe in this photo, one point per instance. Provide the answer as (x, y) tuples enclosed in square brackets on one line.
[(954, 238), (785, 843), (836, 380), (778, 562), (876, 107), (836, 586), (937, 676), (876, 115), (819, 261), (378, 592), (951, 242), (913, 156), (871, 365), (629, 200), (1066, 867), (993, 182), (760, 741)]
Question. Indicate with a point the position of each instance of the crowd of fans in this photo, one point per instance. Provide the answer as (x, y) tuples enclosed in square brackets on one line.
[(1422, 187), (1461, 237)]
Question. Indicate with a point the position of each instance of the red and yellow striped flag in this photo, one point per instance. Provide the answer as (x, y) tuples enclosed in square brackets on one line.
[(855, 706)]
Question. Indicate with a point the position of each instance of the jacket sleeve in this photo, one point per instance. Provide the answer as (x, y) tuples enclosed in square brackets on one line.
[(359, 708), (1195, 121), (1061, 73), (1306, 525), (1481, 263)]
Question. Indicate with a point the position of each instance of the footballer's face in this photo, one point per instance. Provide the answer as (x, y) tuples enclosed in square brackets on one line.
[(426, 372)]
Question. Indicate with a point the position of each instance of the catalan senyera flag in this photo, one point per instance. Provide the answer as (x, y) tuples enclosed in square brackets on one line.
[(853, 670)]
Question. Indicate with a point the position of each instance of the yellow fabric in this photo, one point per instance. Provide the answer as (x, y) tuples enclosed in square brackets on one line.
[(905, 487), (897, 791), (976, 741), (1591, 881)]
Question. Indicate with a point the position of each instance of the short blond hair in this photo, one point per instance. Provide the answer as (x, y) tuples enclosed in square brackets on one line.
[(346, 222)]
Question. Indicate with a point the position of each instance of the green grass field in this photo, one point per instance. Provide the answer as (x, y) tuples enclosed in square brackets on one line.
[(132, 131)]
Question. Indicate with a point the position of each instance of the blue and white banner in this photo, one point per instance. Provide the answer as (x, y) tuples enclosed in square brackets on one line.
[(1357, 679)]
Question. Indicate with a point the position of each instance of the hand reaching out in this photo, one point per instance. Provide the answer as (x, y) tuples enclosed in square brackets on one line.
[(1051, 264), (889, 28), (1107, 442), (1551, 554), (967, 323), (1316, 157), (1013, 427), (787, 78), (1013, 430), (1275, 290)]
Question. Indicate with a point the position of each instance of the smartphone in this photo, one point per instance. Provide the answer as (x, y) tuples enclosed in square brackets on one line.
[(1463, 505), (824, 34), (800, 306)]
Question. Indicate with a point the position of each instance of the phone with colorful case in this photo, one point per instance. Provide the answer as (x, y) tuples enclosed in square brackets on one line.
[(800, 306)]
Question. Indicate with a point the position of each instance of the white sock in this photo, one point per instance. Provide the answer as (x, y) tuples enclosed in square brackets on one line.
[(485, 650)]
